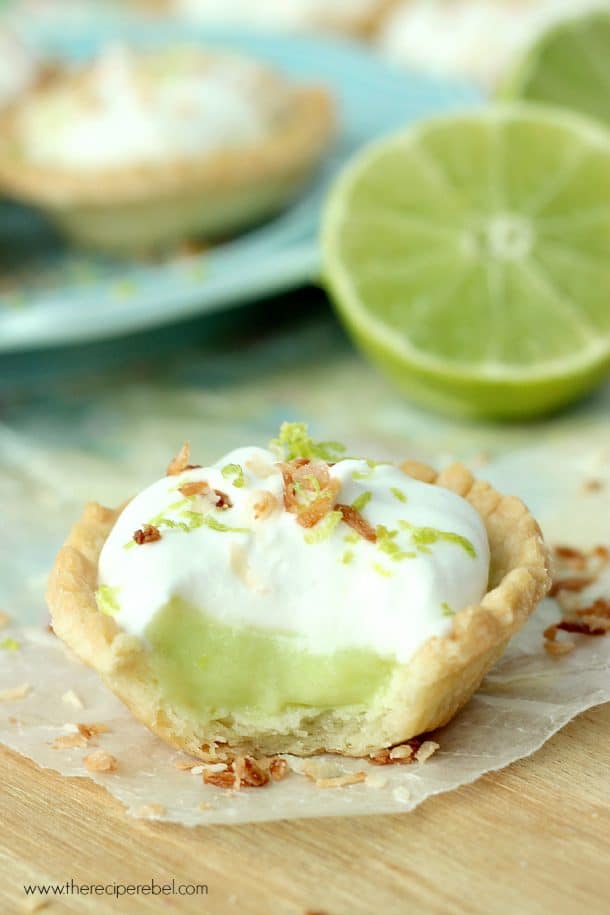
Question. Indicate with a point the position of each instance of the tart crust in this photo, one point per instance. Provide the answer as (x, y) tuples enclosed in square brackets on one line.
[(423, 694), (160, 204)]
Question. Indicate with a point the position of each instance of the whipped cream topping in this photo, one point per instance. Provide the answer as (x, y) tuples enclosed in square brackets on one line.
[(131, 108), (471, 38), (286, 14), (18, 70), (254, 565)]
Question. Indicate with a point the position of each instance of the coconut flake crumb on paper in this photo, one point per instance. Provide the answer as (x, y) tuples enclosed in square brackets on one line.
[(73, 699), (526, 698), (520, 705)]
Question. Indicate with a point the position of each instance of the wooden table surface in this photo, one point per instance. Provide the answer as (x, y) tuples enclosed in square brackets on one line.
[(534, 838)]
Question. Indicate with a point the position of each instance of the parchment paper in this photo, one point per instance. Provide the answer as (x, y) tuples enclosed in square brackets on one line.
[(524, 700)]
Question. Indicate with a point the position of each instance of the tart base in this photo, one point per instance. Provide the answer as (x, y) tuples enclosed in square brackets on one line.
[(423, 694)]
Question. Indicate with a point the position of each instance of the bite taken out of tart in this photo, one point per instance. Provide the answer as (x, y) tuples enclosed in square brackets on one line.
[(295, 600), (140, 150)]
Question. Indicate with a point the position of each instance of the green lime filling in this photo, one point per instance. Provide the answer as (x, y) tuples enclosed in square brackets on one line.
[(213, 668)]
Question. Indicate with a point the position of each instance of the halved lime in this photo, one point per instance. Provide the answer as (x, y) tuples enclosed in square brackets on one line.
[(470, 257), (569, 66)]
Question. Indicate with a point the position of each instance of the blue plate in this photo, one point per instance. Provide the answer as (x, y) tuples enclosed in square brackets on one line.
[(52, 294)]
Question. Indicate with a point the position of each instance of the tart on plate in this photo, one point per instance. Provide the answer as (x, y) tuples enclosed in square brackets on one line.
[(292, 599), (141, 150)]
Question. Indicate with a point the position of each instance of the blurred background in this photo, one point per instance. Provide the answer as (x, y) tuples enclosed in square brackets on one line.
[(113, 354)]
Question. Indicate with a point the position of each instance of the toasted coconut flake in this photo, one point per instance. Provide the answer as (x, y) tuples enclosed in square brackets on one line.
[(599, 607), (151, 811), (341, 781), (315, 769), (184, 765), (403, 754), (592, 486), (264, 505), (180, 463), (557, 649), (570, 556), (580, 627), (259, 467), (278, 769), (224, 779), (375, 780), (573, 584), (69, 742), (223, 501), (427, 749), (73, 699), (404, 751), (309, 490), (101, 761), (248, 773), (196, 488), (380, 758), (401, 794), (92, 730), (148, 533), (353, 518), (15, 692)]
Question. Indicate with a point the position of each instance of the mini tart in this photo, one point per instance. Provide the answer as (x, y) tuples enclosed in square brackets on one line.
[(139, 207), (424, 693)]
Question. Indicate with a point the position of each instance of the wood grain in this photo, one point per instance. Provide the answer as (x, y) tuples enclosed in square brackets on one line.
[(533, 839)]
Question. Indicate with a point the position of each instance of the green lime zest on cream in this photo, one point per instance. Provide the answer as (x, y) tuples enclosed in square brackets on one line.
[(386, 542), (192, 521), (425, 537), (398, 494), (235, 471), (361, 502), (324, 528), (175, 506), (363, 474), (10, 644), (352, 538), (447, 611), (348, 557), (381, 570), (294, 441), (216, 525), (107, 600)]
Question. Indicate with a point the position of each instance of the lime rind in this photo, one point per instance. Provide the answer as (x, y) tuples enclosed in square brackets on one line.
[(549, 71)]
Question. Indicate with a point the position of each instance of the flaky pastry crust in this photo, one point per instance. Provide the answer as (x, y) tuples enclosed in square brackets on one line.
[(423, 694)]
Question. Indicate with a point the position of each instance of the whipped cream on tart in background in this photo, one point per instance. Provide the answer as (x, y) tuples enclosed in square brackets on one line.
[(478, 39), (134, 109), (295, 599), (351, 16), (145, 148)]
